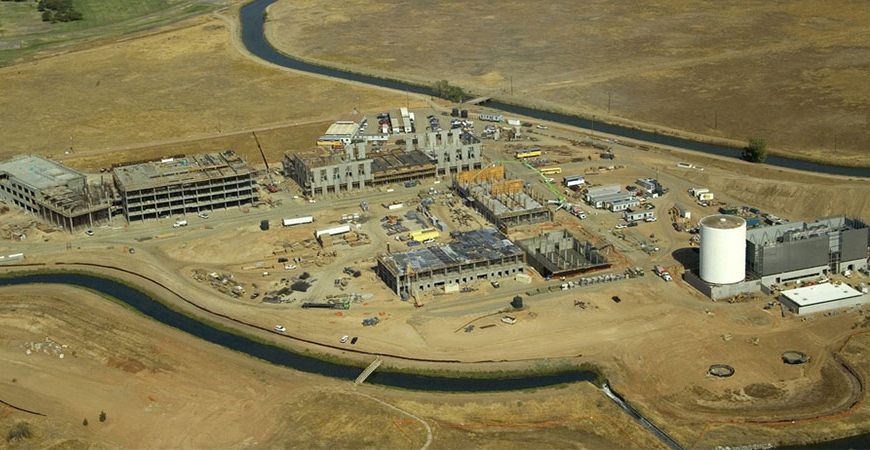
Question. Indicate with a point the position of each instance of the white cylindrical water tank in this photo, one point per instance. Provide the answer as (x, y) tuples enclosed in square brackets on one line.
[(723, 249)]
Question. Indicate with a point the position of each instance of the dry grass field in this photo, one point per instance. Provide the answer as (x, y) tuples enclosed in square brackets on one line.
[(180, 82), (793, 72), (148, 377)]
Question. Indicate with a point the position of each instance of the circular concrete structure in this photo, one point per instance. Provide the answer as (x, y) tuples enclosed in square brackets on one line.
[(720, 370), (723, 249), (794, 357)]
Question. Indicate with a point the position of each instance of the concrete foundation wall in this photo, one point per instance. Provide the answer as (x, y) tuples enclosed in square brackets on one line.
[(717, 292)]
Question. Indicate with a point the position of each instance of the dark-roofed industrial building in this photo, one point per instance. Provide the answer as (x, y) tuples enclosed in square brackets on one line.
[(473, 256), (796, 250)]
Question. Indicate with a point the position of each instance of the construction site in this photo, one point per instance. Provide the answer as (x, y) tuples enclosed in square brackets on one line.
[(471, 257), (560, 254), (57, 194), (504, 202), (360, 248)]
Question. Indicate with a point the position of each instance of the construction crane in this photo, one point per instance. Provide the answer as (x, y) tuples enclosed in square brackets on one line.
[(271, 186)]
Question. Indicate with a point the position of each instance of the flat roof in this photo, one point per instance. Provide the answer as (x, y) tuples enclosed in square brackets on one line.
[(467, 247), (722, 221), (190, 169), (39, 172), (342, 129), (820, 293)]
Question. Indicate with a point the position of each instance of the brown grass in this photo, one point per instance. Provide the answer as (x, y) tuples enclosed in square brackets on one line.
[(794, 73), (179, 82)]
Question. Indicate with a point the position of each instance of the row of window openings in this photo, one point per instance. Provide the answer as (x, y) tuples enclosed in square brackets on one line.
[(146, 197)]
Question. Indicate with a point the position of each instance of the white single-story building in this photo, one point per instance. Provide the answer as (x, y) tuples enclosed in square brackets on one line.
[(822, 297)]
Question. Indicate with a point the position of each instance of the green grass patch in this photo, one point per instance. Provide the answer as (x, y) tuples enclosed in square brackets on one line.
[(22, 31)]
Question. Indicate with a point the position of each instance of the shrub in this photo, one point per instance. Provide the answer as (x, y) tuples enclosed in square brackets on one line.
[(19, 432)]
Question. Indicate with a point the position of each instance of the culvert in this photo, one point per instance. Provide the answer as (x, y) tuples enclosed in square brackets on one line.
[(720, 370), (794, 357)]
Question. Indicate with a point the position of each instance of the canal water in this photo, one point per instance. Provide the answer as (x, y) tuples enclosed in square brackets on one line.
[(253, 16)]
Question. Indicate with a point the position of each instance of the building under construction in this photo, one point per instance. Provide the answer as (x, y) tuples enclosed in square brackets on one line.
[(559, 254), (321, 171), (57, 194), (504, 202), (178, 186), (473, 256), (354, 166)]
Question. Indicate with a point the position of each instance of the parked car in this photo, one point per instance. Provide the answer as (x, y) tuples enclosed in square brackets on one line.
[(280, 329), (541, 127), (616, 299), (621, 226), (89, 232), (650, 219), (353, 341), (203, 215), (282, 260), (344, 339), (495, 284), (255, 295)]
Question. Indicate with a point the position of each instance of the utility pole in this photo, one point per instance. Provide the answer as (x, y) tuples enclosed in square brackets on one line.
[(715, 120), (835, 141), (70, 144), (512, 85), (608, 102)]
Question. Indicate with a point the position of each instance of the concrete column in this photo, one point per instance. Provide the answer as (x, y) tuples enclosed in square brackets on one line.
[(361, 149)]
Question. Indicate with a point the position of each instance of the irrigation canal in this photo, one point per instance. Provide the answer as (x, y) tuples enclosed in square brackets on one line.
[(253, 16)]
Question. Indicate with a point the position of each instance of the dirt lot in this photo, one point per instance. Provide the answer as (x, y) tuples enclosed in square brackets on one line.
[(146, 377), (794, 73), (183, 81)]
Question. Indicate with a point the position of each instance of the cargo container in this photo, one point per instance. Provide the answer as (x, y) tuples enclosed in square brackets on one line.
[(607, 156), (753, 222), (333, 231), (423, 235), (489, 117), (530, 153), (576, 180), (298, 221)]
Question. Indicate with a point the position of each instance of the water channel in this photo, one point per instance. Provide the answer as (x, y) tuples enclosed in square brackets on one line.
[(253, 17)]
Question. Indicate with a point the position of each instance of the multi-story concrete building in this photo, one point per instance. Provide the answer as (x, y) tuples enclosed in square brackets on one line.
[(184, 185), (57, 194), (321, 171), (473, 256)]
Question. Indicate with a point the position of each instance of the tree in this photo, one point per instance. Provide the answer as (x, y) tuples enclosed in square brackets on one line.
[(102, 416), (85, 422), (756, 151), (46, 16), (443, 89)]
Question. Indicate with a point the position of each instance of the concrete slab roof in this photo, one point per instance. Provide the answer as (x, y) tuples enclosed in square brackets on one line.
[(820, 293), (39, 172), (190, 169), (468, 247)]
